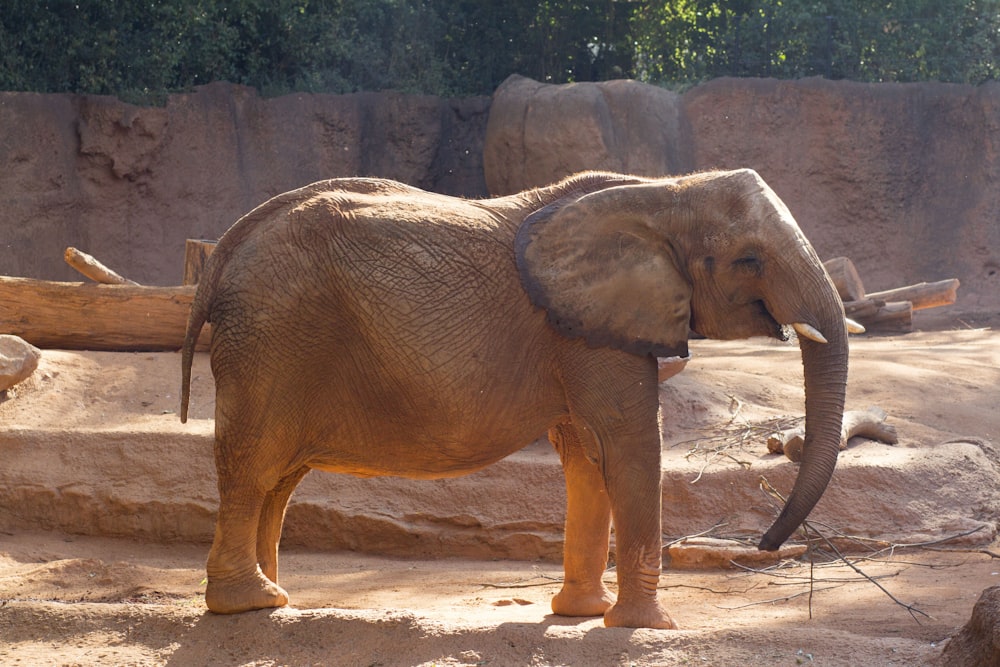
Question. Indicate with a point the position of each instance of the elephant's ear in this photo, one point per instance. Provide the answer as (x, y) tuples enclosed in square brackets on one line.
[(602, 273)]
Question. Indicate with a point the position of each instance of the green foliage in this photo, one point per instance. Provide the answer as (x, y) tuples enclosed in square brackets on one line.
[(889, 40), (140, 50)]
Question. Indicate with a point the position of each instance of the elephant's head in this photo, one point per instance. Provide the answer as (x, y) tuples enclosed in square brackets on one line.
[(638, 266)]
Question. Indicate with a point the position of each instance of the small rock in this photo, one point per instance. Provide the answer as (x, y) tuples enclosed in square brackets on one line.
[(18, 360)]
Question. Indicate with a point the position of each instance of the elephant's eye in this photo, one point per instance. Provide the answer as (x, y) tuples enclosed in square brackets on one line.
[(749, 264)]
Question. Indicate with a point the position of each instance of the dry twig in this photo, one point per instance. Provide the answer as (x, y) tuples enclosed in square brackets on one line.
[(807, 526), (737, 434)]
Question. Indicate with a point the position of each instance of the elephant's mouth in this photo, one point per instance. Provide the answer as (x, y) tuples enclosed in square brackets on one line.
[(775, 329), (741, 321)]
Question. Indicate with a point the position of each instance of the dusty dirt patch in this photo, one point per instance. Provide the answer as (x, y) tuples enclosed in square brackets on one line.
[(79, 599), (82, 600)]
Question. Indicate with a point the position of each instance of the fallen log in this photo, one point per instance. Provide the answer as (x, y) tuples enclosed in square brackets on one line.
[(93, 269), (892, 317), (862, 309), (877, 316), (868, 423), (922, 295), (88, 316)]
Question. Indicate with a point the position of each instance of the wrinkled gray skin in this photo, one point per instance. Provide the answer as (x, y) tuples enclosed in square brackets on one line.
[(363, 326)]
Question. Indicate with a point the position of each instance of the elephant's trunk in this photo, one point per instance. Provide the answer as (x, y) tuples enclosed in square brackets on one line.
[(825, 373)]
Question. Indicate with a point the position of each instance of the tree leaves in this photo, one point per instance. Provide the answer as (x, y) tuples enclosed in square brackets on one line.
[(140, 51)]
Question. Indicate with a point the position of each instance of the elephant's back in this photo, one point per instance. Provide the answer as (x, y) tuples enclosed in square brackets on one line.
[(362, 250)]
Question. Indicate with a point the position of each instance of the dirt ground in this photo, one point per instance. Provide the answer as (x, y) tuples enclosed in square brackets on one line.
[(71, 599)]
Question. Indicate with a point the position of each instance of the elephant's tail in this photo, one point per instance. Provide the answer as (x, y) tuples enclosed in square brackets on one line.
[(200, 308)]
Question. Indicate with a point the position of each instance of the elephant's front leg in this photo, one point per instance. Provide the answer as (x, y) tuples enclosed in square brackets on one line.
[(614, 417), (588, 530), (633, 479)]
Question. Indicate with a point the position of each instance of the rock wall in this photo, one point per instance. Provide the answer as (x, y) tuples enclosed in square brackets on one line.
[(129, 184), (902, 178)]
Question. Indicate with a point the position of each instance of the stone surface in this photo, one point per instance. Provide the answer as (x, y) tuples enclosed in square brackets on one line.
[(129, 184), (901, 178), (92, 445), (915, 166), (539, 133), (978, 642), (18, 360)]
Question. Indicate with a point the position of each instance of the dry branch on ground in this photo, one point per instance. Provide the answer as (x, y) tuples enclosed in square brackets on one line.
[(868, 423)]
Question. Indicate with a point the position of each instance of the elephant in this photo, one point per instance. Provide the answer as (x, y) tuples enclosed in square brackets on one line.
[(368, 327)]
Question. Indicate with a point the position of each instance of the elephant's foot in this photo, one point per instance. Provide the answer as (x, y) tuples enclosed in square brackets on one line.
[(580, 601), (644, 613), (232, 596)]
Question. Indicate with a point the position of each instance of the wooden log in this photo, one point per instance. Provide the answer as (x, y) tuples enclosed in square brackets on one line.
[(862, 309), (923, 295), (87, 316), (196, 253), (893, 317), (868, 423), (91, 268), (845, 278), (876, 315)]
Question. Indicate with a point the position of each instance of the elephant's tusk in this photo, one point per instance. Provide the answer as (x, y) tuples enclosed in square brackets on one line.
[(854, 327), (808, 331)]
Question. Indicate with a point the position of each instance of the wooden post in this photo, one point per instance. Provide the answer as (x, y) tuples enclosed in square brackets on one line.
[(845, 278), (196, 253)]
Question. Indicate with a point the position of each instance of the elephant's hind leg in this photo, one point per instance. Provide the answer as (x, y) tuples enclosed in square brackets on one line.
[(251, 472), (588, 530), (235, 580), (272, 517)]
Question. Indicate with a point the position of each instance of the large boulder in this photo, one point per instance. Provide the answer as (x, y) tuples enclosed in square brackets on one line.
[(978, 643), (539, 133)]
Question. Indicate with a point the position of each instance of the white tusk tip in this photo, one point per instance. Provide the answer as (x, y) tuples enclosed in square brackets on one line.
[(809, 331), (854, 327)]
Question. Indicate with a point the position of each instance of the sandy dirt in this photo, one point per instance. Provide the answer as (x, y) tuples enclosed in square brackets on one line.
[(70, 599)]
